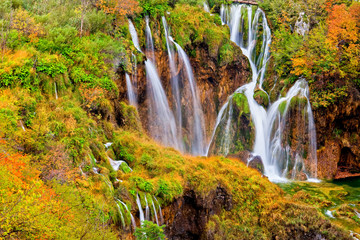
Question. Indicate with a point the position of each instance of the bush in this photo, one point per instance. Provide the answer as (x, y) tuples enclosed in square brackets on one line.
[(150, 231)]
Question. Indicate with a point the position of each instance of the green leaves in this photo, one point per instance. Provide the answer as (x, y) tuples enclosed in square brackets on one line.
[(150, 231)]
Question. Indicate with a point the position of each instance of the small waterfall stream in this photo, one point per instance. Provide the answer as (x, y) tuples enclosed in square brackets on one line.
[(141, 212), (130, 91), (134, 35)]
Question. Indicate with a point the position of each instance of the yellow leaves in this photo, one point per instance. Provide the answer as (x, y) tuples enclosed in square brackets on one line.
[(26, 24), (120, 8)]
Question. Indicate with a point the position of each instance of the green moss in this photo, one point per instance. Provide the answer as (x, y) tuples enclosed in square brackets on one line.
[(262, 97), (282, 107), (242, 103)]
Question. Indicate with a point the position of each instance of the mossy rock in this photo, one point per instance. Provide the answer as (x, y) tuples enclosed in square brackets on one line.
[(242, 103), (282, 107), (261, 98), (298, 102)]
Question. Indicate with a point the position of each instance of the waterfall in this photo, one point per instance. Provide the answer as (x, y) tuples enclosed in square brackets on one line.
[(206, 7), (197, 144), (121, 215), (116, 164), (174, 80), (301, 26), (147, 209), (270, 125), (141, 216), (150, 50), (155, 213), (161, 215), (134, 35), (22, 126), (191, 111), (131, 216), (162, 124), (56, 94), (130, 91)]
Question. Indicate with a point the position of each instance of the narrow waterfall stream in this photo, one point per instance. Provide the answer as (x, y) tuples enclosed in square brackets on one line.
[(130, 91)]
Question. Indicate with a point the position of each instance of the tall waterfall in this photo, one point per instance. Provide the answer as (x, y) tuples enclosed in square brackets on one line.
[(191, 113), (134, 36), (161, 121), (197, 123), (271, 125), (174, 80)]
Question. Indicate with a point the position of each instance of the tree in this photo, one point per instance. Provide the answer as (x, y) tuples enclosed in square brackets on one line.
[(120, 8), (150, 231)]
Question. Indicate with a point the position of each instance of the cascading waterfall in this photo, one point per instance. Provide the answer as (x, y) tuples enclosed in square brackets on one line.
[(192, 113), (270, 126), (134, 36), (121, 214), (130, 91), (131, 216), (206, 7), (301, 26), (141, 212), (174, 80), (147, 209), (162, 124), (160, 211), (155, 213), (197, 145)]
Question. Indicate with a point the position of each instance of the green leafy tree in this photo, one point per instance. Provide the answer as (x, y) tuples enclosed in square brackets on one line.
[(150, 231)]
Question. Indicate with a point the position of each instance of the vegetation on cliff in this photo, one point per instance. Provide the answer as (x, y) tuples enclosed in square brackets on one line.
[(325, 50), (59, 105)]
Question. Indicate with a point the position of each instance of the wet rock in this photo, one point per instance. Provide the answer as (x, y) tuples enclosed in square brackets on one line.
[(261, 98), (257, 163), (187, 216)]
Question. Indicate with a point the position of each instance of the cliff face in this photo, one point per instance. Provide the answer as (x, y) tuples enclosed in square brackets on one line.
[(215, 83), (338, 129)]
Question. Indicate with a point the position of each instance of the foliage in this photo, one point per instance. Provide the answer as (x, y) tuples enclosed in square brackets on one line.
[(120, 8), (150, 231)]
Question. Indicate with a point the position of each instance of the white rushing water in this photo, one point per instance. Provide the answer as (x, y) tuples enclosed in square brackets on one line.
[(186, 101), (198, 139), (269, 123), (134, 36), (22, 126), (161, 121), (56, 94), (131, 216), (155, 213), (147, 209), (160, 211), (130, 91), (162, 124), (121, 214), (141, 212), (175, 87)]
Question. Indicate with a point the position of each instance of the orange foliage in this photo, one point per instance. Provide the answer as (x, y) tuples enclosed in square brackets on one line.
[(91, 95), (120, 8), (342, 25)]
